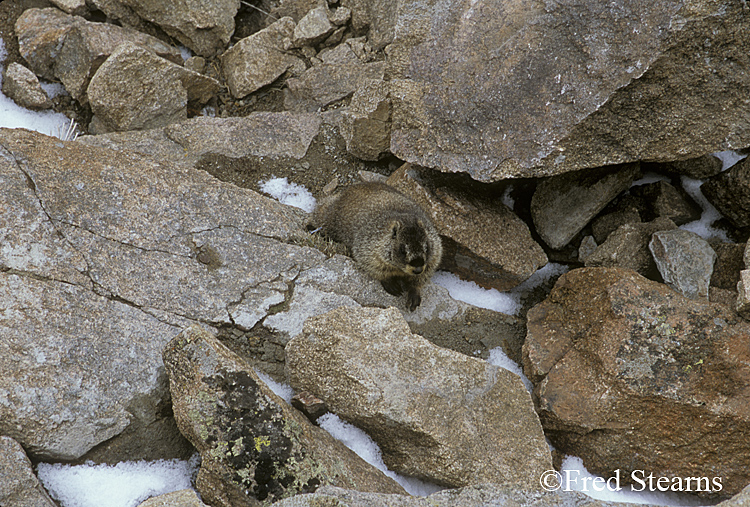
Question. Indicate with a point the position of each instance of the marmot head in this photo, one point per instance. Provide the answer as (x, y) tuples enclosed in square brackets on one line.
[(410, 248)]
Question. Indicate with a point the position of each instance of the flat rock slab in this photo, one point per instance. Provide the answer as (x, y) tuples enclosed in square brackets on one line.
[(435, 413), (254, 446), (631, 375), (502, 88), (685, 261), (109, 254)]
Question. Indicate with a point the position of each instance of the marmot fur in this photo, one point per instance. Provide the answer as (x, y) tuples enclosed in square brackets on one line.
[(390, 237)]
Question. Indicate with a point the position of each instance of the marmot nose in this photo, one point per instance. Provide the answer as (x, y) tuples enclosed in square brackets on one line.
[(417, 269)]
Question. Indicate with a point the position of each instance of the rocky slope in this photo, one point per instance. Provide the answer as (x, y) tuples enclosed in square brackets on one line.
[(144, 276)]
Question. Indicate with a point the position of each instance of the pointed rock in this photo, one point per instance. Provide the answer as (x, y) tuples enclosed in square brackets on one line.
[(685, 261)]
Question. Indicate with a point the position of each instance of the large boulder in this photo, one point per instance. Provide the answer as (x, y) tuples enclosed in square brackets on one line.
[(109, 254), (436, 414), (500, 89), (134, 89), (631, 375), (254, 446)]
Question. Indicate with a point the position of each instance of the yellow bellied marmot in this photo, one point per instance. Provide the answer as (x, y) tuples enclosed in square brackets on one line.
[(389, 235)]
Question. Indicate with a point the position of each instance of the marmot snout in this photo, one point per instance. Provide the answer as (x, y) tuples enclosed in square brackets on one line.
[(391, 238)]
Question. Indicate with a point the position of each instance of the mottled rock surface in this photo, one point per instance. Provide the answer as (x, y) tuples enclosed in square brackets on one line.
[(685, 261), (21, 85), (436, 414), (254, 447), (19, 487), (157, 92), (631, 375), (503, 89)]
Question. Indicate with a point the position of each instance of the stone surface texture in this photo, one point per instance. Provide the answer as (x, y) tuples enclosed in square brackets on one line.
[(729, 192), (19, 486), (685, 261), (21, 85), (503, 89), (254, 446), (631, 375), (436, 414)]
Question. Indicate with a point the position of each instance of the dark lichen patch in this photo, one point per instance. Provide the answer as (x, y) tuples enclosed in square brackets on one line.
[(250, 436)]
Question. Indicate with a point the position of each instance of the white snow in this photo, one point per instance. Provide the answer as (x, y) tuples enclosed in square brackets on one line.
[(498, 357), (283, 391), (703, 227), (359, 442), (288, 193), (126, 484)]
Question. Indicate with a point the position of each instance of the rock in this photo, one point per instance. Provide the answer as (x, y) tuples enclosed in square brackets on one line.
[(296, 9), (136, 90), (436, 414), (664, 200), (254, 447), (340, 16), (313, 28), (697, 168), (607, 223), (562, 206), (377, 17), (685, 261), (19, 487), (631, 375), (75, 7), (366, 126), (71, 49), (483, 495), (328, 82), (441, 319), (729, 192), (587, 247), (258, 60), (552, 82), (309, 405), (628, 247), (728, 265), (487, 243), (182, 498), (743, 290), (746, 256), (22, 86), (204, 27), (89, 232)]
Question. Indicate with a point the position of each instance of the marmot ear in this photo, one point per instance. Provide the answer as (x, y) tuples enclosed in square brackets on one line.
[(395, 227)]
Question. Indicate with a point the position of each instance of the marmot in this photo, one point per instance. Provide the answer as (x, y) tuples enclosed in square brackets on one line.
[(390, 237)]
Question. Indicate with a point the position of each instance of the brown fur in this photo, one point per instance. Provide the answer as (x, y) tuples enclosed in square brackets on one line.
[(389, 235)]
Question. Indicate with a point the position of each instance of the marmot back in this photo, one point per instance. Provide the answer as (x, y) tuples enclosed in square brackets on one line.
[(390, 237)]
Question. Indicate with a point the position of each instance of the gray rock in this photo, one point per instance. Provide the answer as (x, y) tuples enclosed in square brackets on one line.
[(743, 291), (75, 7), (501, 90), (631, 375), (483, 495), (697, 168), (313, 28), (628, 247), (605, 224), (101, 258), (586, 248), (483, 240), (296, 9), (685, 261), (19, 487), (746, 256), (323, 84), (254, 446), (134, 89), (729, 192), (258, 60), (204, 27), (21, 85), (182, 498), (366, 125), (377, 17), (436, 414), (562, 205), (71, 49)]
